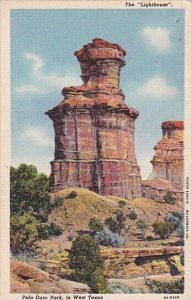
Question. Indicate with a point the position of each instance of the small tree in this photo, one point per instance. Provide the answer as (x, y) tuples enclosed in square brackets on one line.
[(112, 225), (23, 232), (29, 189), (177, 218), (95, 224), (170, 198), (85, 258), (163, 228), (142, 225), (120, 219), (132, 215)]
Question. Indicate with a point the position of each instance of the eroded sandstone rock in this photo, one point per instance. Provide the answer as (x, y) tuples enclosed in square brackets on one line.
[(94, 128), (167, 174), (168, 159), (29, 279)]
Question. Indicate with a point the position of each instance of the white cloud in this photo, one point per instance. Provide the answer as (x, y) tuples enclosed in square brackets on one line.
[(157, 87), (38, 63), (37, 136), (29, 88), (157, 38), (41, 162), (43, 82)]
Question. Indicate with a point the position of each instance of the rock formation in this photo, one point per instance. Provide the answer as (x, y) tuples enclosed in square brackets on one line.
[(25, 278), (167, 174), (168, 159), (94, 128)]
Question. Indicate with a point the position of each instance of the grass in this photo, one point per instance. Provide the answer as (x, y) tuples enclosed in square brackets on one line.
[(77, 212)]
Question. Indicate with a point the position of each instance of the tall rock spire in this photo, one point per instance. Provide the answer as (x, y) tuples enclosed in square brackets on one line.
[(94, 128), (168, 159)]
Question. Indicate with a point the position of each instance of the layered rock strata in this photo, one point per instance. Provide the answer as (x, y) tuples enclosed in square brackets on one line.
[(94, 128), (168, 163), (168, 159)]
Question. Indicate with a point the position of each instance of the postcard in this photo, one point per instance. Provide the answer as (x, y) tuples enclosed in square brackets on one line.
[(96, 150)]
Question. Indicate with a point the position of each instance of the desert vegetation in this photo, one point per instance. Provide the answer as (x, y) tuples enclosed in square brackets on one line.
[(91, 225), (88, 265), (30, 206)]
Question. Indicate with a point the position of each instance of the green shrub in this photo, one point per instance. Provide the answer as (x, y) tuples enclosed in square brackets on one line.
[(98, 283), (163, 228), (121, 203), (88, 264), (112, 224), (23, 232), (170, 198), (163, 287), (177, 218), (120, 218), (67, 274), (117, 225), (85, 257), (47, 230), (132, 215), (95, 224), (142, 225), (28, 188), (58, 201)]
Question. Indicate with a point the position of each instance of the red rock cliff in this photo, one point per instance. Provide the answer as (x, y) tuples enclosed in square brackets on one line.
[(94, 128), (168, 159)]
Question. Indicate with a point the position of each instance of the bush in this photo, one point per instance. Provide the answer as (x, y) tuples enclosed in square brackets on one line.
[(170, 198), (120, 219), (71, 195), (112, 224), (55, 229), (109, 238), (132, 215), (163, 287), (85, 257), (117, 225), (58, 201), (120, 288), (28, 188), (88, 264), (121, 203), (163, 228), (98, 283), (142, 225), (23, 232), (95, 224), (177, 218), (47, 230)]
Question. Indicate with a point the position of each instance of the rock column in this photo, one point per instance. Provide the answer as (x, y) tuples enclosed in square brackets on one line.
[(94, 128), (168, 159)]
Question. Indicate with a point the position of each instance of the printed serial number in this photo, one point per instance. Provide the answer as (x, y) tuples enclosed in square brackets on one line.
[(171, 297)]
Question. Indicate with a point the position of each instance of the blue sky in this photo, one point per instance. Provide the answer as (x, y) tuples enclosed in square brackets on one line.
[(42, 63)]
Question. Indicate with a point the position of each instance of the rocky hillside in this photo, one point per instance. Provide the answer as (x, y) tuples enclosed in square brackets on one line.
[(77, 206)]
